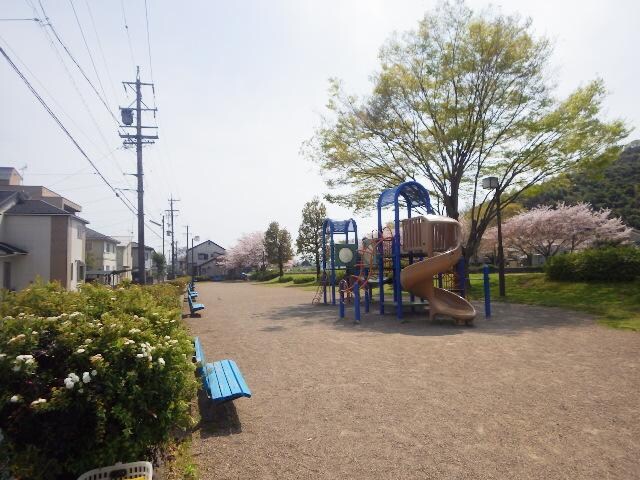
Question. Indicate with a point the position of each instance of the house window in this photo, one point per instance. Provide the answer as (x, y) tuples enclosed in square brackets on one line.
[(80, 231), (72, 271), (80, 272), (107, 267), (146, 256), (203, 256)]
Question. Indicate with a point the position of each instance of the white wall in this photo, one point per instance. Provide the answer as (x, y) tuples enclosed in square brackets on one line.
[(33, 234), (75, 251)]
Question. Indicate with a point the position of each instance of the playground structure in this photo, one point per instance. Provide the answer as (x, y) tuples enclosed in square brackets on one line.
[(418, 254)]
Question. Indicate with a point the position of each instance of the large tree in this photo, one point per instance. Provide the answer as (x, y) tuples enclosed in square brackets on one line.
[(466, 95), (277, 246), (247, 253), (547, 231), (309, 241)]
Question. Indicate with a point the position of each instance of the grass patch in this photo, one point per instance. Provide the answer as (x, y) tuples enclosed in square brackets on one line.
[(179, 463), (617, 304)]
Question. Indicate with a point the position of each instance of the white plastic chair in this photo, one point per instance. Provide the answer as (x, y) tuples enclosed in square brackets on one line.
[(121, 471)]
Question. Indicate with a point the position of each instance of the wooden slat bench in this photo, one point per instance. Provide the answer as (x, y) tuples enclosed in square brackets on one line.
[(222, 380), (194, 307)]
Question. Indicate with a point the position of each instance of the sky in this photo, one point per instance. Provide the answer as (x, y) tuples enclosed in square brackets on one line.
[(239, 87)]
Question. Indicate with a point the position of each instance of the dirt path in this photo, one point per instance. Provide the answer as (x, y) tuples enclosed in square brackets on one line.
[(533, 393)]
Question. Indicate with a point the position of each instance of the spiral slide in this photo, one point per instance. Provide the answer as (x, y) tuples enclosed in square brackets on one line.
[(417, 279)]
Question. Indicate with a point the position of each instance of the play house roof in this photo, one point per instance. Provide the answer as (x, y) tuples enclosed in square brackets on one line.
[(409, 191), (341, 226)]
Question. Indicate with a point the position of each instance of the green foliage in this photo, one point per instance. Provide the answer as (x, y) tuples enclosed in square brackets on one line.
[(263, 275), (613, 185), (277, 246), (309, 241), (92, 377), (160, 264), (608, 264), (616, 304), (286, 279), (464, 96), (301, 279)]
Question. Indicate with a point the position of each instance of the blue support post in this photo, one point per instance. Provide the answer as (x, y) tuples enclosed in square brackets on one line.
[(487, 291), (356, 306), (341, 304)]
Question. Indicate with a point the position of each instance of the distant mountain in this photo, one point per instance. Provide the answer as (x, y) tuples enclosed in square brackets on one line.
[(616, 187)]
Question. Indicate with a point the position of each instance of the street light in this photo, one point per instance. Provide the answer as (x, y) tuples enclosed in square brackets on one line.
[(193, 265), (492, 183)]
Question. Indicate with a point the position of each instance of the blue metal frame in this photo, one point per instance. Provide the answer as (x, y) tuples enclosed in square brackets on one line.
[(415, 196), (335, 227)]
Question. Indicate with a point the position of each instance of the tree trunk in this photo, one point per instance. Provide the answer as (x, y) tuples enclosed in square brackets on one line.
[(317, 265), (281, 267)]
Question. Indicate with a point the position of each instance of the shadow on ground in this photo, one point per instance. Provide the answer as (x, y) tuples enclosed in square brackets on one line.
[(217, 419), (506, 319)]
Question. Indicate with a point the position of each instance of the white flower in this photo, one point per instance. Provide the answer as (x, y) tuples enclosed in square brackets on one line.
[(15, 399), (94, 373), (16, 368), (75, 314), (88, 340), (161, 361), (2, 355), (134, 330), (81, 350), (167, 337), (74, 377), (96, 358), (38, 401), (34, 333), (24, 358), (140, 355), (16, 338), (173, 342), (80, 390), (68, 383), (113, 298), (86, 377)]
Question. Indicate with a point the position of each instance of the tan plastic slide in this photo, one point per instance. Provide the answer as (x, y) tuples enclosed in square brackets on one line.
[(418, 279)]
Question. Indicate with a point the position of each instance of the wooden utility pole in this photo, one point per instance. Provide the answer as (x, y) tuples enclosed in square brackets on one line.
[(138, 139), (172, 211)]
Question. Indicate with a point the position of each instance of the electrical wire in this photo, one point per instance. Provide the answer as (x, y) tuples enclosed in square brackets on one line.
[(61, 125), (126, 29)]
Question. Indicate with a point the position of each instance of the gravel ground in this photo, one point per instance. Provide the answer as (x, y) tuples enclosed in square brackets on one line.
[(532, 393)]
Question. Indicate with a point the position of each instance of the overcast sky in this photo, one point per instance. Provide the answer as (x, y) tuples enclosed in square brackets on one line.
[(239, 86)]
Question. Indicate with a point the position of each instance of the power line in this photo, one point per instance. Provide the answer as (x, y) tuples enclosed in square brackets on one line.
[(84, 39), (146, 16), (61, 125), (66, 49), (104, 59), (126, 29)]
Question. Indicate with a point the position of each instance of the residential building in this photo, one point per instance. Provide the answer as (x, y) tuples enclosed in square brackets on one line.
[(40, 235), (124, 257), (212, 268), (148, 261), (101, 258), (202, 253)]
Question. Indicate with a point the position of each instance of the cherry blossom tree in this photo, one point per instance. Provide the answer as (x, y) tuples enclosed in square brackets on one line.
[(248, 252), (546, 231)]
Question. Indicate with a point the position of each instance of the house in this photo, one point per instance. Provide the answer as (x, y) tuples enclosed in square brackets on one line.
[(101, 258), (124, 257), (148, 261), (200, 254), (212, 268), (40, 235)]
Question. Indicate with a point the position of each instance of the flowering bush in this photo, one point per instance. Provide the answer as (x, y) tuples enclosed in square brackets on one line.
[(90, 378), (610, 264)]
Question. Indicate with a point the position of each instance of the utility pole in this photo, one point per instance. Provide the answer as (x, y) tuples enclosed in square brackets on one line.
[(186, 252), (171, 213), (138, 139)]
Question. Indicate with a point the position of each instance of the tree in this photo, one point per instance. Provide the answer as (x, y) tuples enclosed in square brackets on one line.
[(247, 253), (277, 246), (613, 186), (547, 231), (309, 241), (159, 263), (464, 96)]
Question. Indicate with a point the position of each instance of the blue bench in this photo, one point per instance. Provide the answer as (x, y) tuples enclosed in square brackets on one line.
[(222, 380), (194, 307)]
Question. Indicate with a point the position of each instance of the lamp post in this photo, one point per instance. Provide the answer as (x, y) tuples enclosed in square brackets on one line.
[(193, 265), (492, 183)]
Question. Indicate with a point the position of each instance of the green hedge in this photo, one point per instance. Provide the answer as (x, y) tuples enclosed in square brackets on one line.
[(263, 275), (610, 264), (91, 378), (304, 279), (285, 279)]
